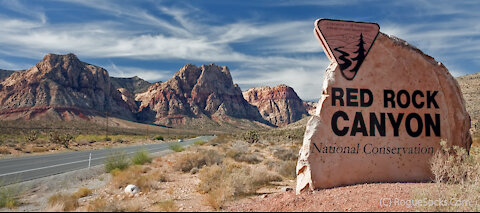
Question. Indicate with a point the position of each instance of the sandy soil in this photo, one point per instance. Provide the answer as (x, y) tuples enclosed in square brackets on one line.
[(365, 198)]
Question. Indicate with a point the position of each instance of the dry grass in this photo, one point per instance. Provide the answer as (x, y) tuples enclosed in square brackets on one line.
[(62, 202), (5, 151), (136, 175), (241, 152), (457, 180), (197, 159), (232, 180), (82, 192), (9, 196), (166, 206), (101, 205)]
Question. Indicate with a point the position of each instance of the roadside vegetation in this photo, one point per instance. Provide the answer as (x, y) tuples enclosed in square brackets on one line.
[(22, 137), (457, 180), (9, 196)]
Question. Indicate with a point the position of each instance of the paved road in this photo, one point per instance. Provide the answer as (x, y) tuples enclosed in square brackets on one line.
[(21, 169)]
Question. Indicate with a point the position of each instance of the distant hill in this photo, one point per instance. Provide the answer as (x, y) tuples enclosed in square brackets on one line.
[(470, 86), (134, 85), (278, 105), (5, 74), (61, 87)]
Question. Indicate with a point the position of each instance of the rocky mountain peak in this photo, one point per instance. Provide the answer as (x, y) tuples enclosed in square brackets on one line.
[(61, 81), (279, 105), (195, 92)]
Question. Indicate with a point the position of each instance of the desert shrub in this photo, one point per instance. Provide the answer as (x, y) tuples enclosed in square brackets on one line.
[(9, 196), (240, 152), (63, 139), (199, 142), (40, 149), (82, 192), (116, 161), (141, 157), (31, 136), (121, 178), (251, 136), (216, 198), (457, 178), (287, 169), (4, 151), (134, 175), (286, 154), (454, 165), (159, 138), (177, 148), (234, 179), (101, 205), (63, 202), (166, 206), (188, 161), (220, 139)]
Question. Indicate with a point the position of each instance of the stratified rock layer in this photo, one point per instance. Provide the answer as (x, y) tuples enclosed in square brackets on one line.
[(279, 105), (328, 160), (60, 87)]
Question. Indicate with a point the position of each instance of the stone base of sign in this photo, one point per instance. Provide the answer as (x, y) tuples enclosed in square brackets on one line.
[(364, 156)]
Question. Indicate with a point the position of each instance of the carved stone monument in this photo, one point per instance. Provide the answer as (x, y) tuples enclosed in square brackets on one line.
[(384, 108)]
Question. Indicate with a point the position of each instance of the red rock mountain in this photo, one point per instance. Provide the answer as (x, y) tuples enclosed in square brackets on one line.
[(62, 87), (197, 93), (279, 105)]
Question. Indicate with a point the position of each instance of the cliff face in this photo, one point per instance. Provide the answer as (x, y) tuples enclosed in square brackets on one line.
[(279, 105), (197, 92), (60, 86)]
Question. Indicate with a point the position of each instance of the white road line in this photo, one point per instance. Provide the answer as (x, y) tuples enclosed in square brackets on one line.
[(63, 164), (47, 167)]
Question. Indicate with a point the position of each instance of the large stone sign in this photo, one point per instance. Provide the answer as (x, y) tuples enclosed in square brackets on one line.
[(384, 108)]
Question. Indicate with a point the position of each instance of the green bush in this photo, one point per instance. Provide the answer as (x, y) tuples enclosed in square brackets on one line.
[(141, 157), (159, 138), (177, 147), (61, 138), (31, 136), (116, 160), (199, 142), (9, 196), (251, 136)]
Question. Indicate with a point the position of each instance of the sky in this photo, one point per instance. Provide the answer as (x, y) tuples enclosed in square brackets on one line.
[(267, 42)]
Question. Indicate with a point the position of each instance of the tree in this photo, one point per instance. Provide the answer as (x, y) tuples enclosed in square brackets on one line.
[(361, 54)]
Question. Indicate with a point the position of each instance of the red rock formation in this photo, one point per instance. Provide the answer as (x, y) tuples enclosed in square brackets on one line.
[(59, 85), (197, 92), (279, 105)]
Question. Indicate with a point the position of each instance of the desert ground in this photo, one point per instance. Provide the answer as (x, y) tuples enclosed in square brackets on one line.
[(252, 171)]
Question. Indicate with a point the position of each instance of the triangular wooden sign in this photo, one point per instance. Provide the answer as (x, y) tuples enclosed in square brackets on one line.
[(346, 42)]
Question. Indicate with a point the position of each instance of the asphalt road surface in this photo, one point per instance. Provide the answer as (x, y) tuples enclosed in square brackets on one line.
[(16, 170)]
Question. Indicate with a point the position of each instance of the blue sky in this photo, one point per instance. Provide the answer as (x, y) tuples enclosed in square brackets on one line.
[(262, 42)]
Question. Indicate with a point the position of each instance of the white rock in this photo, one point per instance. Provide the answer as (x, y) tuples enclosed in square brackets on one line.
[(132, 189)]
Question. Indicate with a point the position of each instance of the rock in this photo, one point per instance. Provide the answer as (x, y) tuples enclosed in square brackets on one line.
[(196, 93), (132, 189), (311, 107), (279, 105), (60, 87), (5, 74), (287, 189), (342, 151), (134, 85)]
